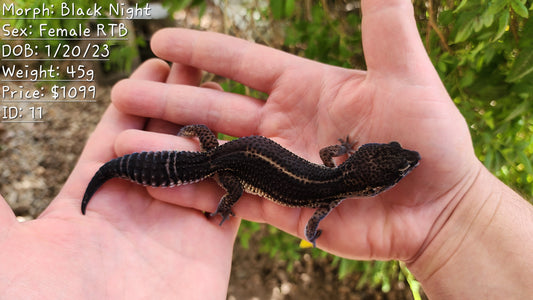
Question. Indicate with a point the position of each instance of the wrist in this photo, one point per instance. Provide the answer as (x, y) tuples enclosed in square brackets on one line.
[(483, 245)]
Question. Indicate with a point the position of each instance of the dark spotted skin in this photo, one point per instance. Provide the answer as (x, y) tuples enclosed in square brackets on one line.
[(258, 165)]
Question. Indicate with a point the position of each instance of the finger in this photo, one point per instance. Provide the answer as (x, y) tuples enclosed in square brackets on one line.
[(180, 74), (182, 104), (162, 126), (155, 125), (205, 196), (186, 75), (153, 69), (167, 127), (391, 41), (227, 56), (183, 74), (212, 85), (133, 140)]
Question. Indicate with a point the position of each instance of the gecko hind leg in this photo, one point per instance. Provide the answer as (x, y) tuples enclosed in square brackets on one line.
[(207, 138), (234, 191), (311, 231)]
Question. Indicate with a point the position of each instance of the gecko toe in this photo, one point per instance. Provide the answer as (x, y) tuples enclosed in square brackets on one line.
[(224, 214), (312, 239)]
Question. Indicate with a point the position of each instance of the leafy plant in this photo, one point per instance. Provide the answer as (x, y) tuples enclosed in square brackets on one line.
[(483, 51)]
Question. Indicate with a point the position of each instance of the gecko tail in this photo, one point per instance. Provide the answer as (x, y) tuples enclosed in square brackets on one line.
[(106, 172), (157, 169)]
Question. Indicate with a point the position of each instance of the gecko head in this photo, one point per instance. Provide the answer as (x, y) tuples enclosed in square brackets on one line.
[(374, 168)]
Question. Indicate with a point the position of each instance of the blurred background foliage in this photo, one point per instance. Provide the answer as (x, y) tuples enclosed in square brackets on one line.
[(482, 50)]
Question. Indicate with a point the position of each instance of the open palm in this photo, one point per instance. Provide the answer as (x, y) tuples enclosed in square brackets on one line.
[(310, 105)]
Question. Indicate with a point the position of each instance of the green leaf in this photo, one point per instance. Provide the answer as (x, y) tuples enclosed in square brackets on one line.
[(441, 66), (276, 7), (523, 65), (518, 111), (463, 33), (413, 284), (345, 268), (289, 8), (520, 8), (503, 23), (446, 17), (489, 119), (487, 18), (292, 36), (477, 24), (468, 78), (463, 4), (317, 13), (202, 10), (496, 6)]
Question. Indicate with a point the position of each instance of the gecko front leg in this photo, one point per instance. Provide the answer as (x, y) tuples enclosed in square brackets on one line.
[(327, 153)]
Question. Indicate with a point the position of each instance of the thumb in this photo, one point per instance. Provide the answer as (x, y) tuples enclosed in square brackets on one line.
[(391, 42)]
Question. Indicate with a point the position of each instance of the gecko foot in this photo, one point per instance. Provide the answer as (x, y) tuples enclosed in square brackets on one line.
[(224, 214), (312, 239), (347, 146)]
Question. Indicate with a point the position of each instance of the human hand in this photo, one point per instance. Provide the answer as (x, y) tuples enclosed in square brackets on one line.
[(309, 106), (128, 245)]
